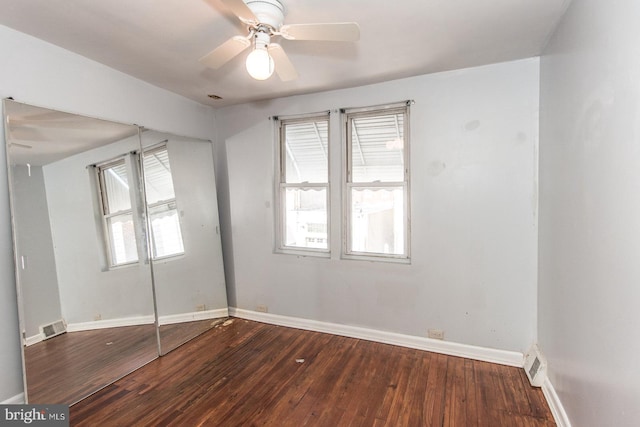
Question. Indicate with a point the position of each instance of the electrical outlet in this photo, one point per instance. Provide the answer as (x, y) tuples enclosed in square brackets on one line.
[(97, 317), (262, 308), (201, 307), (436, 334)]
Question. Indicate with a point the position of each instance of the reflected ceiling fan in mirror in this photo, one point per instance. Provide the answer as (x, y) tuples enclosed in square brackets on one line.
[(264, 20)]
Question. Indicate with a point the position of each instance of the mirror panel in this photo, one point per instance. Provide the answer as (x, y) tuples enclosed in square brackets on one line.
[(64, 242), (184, 236)]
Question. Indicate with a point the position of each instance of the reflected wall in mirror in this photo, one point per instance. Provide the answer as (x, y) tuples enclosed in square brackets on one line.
[(86, 313), (184, 236)]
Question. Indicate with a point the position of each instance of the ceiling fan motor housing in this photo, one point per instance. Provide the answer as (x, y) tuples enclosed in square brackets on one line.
[(268, 12)]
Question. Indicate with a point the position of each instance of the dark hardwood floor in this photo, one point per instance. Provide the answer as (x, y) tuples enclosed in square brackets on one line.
[(251, 374), (66, 368), (69, 367)]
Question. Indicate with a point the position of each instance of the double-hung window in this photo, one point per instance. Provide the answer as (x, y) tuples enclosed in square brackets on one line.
[(376, 211), (303, 184), (122, 207), (117, 212)]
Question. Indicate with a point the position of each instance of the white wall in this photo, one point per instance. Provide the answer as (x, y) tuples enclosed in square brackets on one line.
[(87, 287), (42, 74), (39, 278), (589, 273), (474, 137)]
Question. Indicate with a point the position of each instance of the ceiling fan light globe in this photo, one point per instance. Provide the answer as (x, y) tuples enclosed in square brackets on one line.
[(260, 64)]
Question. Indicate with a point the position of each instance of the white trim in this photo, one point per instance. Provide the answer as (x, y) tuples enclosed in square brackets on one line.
[(280, 184), (195, 315), (33, 339), (18, 399), (141, 320), (110, 323), (347, 183), (502, 357), (557, 410)]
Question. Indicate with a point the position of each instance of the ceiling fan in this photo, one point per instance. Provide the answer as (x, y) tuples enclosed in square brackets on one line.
[(264, 20)]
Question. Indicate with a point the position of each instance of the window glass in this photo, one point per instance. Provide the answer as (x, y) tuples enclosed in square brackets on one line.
[(306, 218), (116, 188), (122, 239), (166, 236), (377, 220), (377, 148), (165, 228), (157, 175), (306, 148)]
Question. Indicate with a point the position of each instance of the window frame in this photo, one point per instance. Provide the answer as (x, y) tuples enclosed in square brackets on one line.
[(105, 215), (134, 165), (347, 116), (281, 186)]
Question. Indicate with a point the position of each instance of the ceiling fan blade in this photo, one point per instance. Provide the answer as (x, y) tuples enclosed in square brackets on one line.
[(241, 10), (225, 52), (341, 31), (284, 68)]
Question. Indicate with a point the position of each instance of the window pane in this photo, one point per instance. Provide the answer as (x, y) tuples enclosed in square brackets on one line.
[(306, 218), (116, 188), (377, 220), (165, 228), (122, 238), (377, 148), (157, 175), (306, 149)]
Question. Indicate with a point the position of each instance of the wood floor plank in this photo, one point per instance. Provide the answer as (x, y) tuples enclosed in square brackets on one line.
[(247, 374), (471, 395), (455, 394), (435, 393)]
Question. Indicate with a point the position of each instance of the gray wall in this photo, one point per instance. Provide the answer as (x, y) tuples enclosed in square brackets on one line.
[(182, 282), (87, 288), (39, 277), (589, 273), (474, 139)]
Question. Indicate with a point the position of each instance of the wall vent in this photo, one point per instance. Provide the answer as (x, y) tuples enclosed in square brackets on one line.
[(51, 330), (535, 366)]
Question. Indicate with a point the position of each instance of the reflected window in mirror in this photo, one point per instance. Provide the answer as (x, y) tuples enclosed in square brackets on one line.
[(166, 236), (120, 206), (117, 213)]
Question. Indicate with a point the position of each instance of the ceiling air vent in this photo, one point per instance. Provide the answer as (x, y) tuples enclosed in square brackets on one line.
[(535, 366), (51, 330)]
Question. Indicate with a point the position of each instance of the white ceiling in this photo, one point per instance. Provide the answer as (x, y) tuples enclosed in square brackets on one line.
[(39, 136), (160, 41)]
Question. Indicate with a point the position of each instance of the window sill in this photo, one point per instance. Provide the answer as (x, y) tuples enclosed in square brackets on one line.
[(377, 258), (303, 253)]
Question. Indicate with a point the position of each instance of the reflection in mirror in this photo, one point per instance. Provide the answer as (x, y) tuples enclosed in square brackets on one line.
[(184, 236), (84, 280)]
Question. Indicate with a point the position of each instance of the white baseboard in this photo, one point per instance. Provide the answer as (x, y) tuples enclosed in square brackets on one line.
[(502, 357), (146, 320), (18, 399), (110, 323), (557, 410), (33, 339), (193, 316)]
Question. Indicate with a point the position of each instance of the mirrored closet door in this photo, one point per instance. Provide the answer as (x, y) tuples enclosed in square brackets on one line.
[(184, 235), (90, 246)]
